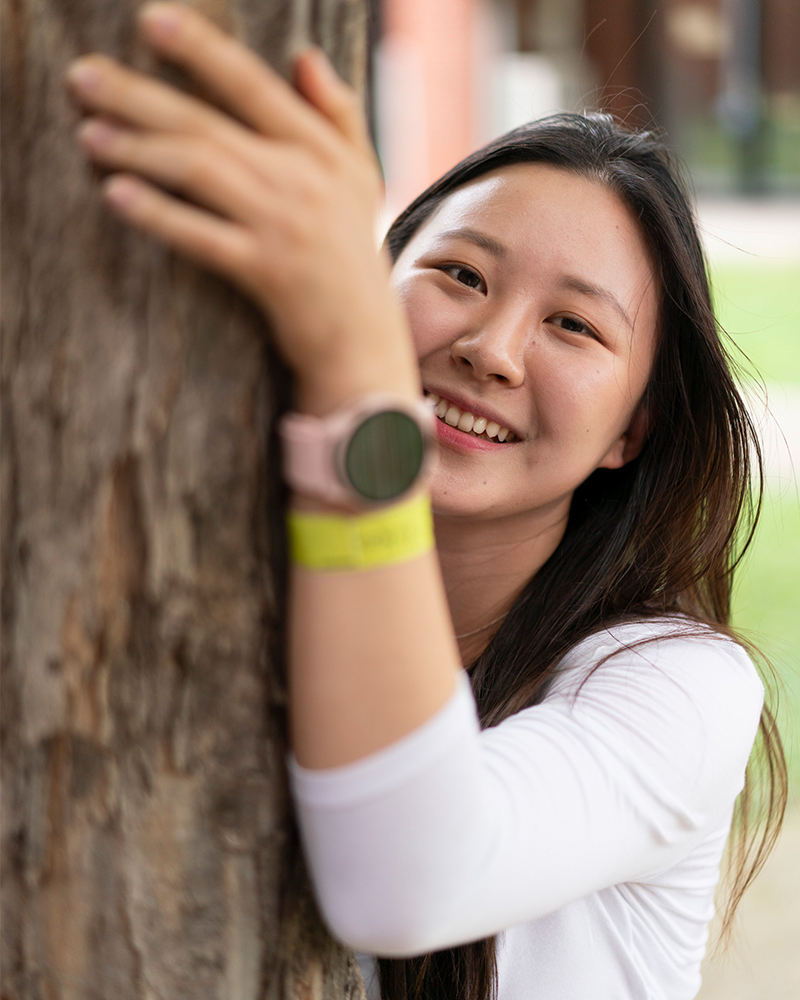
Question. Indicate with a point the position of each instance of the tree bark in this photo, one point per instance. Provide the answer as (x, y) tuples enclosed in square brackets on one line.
[(148, 846)]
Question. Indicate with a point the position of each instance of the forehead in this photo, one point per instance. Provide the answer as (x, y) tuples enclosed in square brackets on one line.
[(530, 205)]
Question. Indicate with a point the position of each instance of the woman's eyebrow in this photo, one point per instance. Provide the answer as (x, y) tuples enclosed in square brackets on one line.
[(574, 284), (487, 243)]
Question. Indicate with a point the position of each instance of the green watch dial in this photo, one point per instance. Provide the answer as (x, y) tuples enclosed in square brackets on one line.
[(384, 455)]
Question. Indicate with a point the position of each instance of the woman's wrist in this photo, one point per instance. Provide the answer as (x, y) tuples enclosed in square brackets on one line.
[(343, 380), (358, 541), (367, 349)]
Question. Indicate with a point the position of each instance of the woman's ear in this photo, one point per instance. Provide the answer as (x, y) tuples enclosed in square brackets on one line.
[(629, 444)]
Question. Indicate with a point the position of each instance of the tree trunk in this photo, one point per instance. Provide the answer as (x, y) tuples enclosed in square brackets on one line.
[(148, 846)]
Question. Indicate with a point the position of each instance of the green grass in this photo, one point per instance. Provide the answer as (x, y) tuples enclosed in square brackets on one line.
[(760, 307), (767, 609)]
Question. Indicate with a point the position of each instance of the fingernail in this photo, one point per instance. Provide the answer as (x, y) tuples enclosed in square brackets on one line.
[(121, 192), (324, 65), (163, 20), (97, 135), (83, 75)]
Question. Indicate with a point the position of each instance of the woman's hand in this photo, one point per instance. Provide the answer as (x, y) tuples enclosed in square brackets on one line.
[(284, 196)]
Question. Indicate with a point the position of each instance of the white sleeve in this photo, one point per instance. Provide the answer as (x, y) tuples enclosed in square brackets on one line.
[(452, 834)]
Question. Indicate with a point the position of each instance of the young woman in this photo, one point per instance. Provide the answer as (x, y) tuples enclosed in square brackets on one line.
[(549, 823)]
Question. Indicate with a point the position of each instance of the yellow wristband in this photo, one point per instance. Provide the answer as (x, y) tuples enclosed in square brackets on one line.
[(364, 541)]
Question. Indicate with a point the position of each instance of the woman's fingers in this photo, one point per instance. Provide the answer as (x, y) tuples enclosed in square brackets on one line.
[(284, 209), (104, 85), (244, 82), (329, 113), (249, 86), (215, 243), (195, 166), (318, 82)]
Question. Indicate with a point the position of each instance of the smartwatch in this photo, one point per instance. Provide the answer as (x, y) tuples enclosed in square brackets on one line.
[(369, 453)]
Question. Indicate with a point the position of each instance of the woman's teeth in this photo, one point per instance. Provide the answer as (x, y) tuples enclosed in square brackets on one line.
[(468, 422)]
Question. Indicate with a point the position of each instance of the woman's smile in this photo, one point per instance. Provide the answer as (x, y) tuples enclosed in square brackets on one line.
[(533, 307), (468, 425)]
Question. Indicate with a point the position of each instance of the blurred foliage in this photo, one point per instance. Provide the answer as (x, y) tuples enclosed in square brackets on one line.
[(712, 155)]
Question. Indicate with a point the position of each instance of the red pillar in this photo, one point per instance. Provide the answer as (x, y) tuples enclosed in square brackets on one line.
[(427, 105), (619, 34)]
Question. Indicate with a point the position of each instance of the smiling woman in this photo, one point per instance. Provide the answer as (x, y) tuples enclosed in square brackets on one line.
[(515, 755), (526, 322)]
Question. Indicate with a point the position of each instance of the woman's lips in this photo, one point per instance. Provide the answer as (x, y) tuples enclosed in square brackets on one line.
[(467, 428), (464, 441)]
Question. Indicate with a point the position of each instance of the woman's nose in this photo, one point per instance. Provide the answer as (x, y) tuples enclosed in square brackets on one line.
[(496, 350)]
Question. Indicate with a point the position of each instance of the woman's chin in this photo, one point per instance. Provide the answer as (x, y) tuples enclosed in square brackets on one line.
[(455, 496), (451, 496)]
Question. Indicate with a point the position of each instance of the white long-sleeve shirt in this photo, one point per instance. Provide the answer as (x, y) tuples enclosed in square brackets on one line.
[(587, 830)]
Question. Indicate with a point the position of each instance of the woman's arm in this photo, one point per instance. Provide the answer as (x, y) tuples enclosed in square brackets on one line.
[(283, 203), (622, 772)]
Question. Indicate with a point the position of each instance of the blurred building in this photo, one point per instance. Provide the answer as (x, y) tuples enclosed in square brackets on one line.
[(721, 77)]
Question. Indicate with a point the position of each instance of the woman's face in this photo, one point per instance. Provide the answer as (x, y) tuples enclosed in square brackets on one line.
[(533, 305)]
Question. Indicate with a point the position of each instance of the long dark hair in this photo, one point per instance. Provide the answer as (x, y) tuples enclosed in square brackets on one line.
[(660, 536)]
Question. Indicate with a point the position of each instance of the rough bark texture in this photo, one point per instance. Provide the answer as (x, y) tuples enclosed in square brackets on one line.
[(148, 848)]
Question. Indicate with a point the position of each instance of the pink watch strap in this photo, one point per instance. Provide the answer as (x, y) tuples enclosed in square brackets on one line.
[(310, 443), (309, 454)]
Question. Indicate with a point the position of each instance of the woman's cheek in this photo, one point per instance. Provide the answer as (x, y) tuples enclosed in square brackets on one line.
[(433, 326)]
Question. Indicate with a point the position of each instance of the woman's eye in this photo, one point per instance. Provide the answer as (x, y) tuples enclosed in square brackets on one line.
[(464, 276), (574, 325)]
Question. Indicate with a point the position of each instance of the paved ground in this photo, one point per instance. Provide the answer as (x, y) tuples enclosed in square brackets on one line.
[(763, 962), (751, 232)]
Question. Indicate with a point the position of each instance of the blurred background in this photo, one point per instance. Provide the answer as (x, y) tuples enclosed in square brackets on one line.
[(722, 79)]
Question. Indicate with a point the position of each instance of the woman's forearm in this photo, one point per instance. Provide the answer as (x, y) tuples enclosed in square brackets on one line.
[(372, 656), (372, 652)]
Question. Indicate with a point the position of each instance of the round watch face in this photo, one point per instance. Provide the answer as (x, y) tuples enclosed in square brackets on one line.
[(384, 455)]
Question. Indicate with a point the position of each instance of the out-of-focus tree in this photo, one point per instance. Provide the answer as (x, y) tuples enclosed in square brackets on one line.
[(148, 843)]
